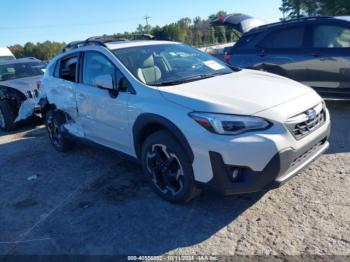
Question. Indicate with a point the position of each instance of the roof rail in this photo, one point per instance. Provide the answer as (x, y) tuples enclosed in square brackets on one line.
[(300, 19), (102, 40), (121, 37), (77, 44)]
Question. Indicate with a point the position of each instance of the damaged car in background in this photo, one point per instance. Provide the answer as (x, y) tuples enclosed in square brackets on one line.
[(19, 90)]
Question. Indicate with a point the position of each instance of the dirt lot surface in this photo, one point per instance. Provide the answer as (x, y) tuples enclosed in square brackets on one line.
[(91, 201)]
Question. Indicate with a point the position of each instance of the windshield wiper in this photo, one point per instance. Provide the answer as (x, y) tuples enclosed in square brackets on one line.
[(189, 79)]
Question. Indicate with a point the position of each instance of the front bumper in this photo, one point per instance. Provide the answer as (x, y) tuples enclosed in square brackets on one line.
[(282, 167)]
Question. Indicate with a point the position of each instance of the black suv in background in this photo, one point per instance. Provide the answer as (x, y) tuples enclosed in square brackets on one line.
[(313, 50)]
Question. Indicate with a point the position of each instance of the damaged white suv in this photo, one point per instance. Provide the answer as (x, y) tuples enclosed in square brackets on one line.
[(191, 121)]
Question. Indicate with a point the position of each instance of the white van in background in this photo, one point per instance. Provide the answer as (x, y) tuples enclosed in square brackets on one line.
[(6, 54)]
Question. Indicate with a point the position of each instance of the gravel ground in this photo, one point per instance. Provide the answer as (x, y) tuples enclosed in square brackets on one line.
[(91, 201)]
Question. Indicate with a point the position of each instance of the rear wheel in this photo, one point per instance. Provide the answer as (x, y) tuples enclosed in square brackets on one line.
[(55, 121), (7, 116), (168, 168)]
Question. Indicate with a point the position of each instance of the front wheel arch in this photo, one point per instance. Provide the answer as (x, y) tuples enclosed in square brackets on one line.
[(146, 124)]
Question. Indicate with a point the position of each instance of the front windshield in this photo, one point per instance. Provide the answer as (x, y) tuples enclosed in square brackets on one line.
[(20, 70), (168, 64)]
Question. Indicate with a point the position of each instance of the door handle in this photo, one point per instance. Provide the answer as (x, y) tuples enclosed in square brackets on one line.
[(80, 97)]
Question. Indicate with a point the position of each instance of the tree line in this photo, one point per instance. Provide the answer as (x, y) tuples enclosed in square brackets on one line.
[(301, 8), (199, 31)]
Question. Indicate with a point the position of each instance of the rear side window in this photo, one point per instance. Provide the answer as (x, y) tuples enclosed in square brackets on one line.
[(331, 36), (286, 38), (67, 69)]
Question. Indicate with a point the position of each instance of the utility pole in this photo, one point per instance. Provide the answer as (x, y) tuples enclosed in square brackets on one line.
[(147, 24)]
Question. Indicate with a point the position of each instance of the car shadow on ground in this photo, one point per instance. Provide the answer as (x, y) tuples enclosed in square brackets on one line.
[(24, 126), (92, 201), (340, 131)]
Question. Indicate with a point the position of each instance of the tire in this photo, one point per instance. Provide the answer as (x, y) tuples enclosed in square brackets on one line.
[(7, 116), (54, 121), (168, 168)]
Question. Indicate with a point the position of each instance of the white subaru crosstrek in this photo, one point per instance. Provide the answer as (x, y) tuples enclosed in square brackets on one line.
[(189, 119)]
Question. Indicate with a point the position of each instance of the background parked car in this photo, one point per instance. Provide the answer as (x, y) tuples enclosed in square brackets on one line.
[(314, 51), (6, 54), (19, 84)]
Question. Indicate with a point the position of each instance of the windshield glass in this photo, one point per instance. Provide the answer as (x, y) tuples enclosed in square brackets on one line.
[(169, 64), (20, 70)]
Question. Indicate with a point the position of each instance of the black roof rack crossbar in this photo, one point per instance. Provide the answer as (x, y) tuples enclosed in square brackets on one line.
[(121, 37), (77, 44), (102, 40)]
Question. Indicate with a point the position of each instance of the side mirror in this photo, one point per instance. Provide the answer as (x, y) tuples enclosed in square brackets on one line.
[(123, 84), (104, 82)]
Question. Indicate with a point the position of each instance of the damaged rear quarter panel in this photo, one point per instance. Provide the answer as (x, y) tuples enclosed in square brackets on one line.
[(60, 93)]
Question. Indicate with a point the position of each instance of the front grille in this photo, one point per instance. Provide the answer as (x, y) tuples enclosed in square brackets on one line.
[(307, 122)]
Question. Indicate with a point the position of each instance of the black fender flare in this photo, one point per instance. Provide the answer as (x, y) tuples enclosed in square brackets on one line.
[(148, 119)]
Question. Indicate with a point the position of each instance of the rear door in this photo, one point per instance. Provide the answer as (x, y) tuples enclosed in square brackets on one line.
[(284, 51), (62, 85), (329, 72), (102, 112)]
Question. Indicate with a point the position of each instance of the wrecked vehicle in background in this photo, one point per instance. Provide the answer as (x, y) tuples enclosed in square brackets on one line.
[(6, 54), (19, 90), (239, 22)]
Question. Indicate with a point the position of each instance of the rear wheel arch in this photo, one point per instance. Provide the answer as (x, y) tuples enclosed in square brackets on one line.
[(147, 124), (45, 106)]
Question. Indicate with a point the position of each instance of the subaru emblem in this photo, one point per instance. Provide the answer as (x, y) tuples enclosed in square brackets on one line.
[(311, 114)]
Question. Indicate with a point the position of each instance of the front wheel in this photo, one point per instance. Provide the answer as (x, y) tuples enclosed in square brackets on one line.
[(55, 121), (168, 168), (7, 116)]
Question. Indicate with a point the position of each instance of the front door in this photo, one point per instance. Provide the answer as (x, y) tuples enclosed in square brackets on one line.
[(283, 52), (102, 112)]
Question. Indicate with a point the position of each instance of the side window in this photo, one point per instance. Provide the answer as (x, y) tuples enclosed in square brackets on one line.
[(331, 36), (97, 68), (286, 38), (67, 69)]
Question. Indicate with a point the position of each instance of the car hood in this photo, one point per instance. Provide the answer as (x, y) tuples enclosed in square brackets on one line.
[(23, 84), (246, 92)]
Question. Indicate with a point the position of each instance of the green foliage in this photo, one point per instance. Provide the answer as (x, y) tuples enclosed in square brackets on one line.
[(43, 51), (299, 8)]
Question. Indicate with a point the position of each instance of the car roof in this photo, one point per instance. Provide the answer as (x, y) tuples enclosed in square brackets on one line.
[(346, 18), (296, 22), (135, 43), (19, 61)]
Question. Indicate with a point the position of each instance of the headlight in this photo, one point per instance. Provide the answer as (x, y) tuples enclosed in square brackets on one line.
[(229, 124)]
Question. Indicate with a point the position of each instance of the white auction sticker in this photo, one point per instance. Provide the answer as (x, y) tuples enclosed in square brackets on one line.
[(213, 65)]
